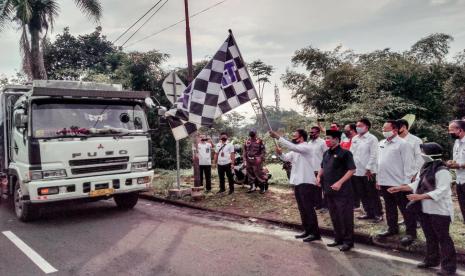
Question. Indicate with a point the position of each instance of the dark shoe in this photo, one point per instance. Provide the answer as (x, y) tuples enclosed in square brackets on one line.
[(208, 191), (301, 236), (251, 190), (345, 247), (426, 265), (378, 219), (230, 192), (220, 191), (386, 234), (262, 191), (334, 244), (365, 217), (407, 240), (311, 238)]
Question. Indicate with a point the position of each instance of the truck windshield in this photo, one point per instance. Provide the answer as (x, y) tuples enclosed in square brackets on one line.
[(57, 119)]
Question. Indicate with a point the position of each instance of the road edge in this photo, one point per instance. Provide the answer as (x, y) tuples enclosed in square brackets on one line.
[(359, 238)]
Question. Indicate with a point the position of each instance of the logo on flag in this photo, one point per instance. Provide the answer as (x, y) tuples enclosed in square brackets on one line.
[(229, 75)]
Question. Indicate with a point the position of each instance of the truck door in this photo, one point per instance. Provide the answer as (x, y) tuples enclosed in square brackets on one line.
[(18, 149)]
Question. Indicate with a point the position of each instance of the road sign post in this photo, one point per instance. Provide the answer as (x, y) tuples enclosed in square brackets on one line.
[(171, 86)]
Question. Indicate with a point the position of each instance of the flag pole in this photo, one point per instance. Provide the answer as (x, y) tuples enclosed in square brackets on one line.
[(256, 95), (190, 77)]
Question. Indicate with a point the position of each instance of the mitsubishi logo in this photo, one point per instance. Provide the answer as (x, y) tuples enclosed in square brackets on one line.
[(100, 146)]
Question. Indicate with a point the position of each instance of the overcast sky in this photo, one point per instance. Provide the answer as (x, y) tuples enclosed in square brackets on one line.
[(267, 29)]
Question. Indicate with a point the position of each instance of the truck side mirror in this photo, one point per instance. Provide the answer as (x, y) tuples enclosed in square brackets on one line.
[(20, 120)]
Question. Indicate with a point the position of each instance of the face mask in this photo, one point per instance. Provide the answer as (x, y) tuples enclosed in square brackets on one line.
[(204, 140), (427, 158), (454, 136), (294, 141), (360, 130), (224, 139), (430, 158), (252, 134), (328, 143), (388, 134)]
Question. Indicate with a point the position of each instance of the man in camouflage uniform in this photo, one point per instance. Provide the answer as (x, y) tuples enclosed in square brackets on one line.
[(254, 155)]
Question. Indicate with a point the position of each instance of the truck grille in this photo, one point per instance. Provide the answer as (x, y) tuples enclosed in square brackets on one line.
[(96, 161), (99, 169)]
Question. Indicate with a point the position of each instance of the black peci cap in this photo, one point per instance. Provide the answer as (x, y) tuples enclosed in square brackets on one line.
[(431, 148), (334, 133)]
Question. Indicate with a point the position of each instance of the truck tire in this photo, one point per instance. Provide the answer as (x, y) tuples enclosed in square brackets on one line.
[(24, 210), (126, 201)]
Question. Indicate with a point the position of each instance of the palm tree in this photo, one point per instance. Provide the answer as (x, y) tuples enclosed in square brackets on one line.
[(35, 18)]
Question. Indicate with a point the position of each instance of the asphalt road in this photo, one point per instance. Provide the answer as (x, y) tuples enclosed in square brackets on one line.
[(158, 239)]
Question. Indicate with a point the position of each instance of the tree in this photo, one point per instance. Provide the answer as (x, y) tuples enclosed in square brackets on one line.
[(383, 84), (330, 83), (74, 58), (432, 49), (35, 18), (262, 72)]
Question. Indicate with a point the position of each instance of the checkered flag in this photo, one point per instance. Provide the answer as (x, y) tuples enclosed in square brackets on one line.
[(221, 86)]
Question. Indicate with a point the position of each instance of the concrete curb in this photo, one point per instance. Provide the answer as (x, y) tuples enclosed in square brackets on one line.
[(359, 238)]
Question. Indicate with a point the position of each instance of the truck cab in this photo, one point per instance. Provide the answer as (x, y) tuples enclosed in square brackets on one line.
[(63, 141)]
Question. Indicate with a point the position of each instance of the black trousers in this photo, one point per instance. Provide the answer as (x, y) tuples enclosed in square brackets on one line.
[(305, 195), (207, 171), (394, 201), (369, 196), (222, 170), (461, 196), (341, 210), (439, 245)]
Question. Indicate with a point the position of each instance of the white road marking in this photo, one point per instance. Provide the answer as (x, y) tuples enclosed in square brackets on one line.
[(30, 253)]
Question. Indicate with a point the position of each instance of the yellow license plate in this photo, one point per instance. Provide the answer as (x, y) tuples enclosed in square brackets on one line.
[(102, 192)]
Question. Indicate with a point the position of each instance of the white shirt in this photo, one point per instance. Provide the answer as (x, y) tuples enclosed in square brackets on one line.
[(415, 142), (224, 156), (364, 148), (205, 151), (318, 148), (395, 162), (459, 157), (441, 202), (301, 160)]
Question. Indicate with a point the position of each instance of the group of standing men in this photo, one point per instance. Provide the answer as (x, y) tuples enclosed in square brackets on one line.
[(409, 175), (224, 158)]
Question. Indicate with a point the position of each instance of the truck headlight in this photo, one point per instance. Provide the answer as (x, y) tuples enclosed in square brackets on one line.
[(140, 166), (35, 175), (50, 174), (54, 174)]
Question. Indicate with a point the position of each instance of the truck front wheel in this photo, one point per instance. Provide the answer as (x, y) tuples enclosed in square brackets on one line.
[(126, 201), (24, 210)]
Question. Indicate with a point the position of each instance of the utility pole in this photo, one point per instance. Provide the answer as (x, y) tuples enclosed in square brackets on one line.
[(190, 77)]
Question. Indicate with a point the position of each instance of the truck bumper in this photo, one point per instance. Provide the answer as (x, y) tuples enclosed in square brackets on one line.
[(89, 187)]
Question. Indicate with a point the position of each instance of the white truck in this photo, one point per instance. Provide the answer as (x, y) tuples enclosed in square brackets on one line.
[(63, 141)]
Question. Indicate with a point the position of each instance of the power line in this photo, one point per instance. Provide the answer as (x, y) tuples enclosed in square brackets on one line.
[(179, 22), (137, 21), (143, 24)]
